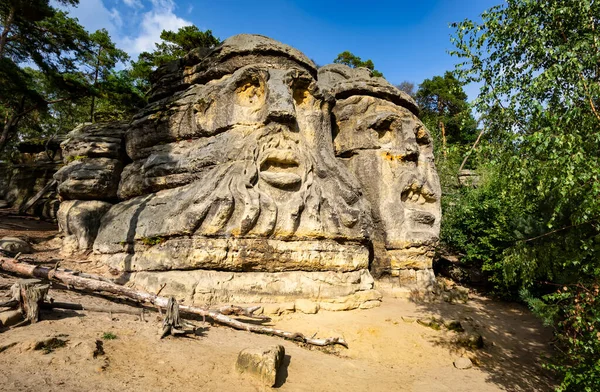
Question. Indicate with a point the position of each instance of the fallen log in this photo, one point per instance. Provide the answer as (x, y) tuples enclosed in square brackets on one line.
[(97, 285), (89, 308)]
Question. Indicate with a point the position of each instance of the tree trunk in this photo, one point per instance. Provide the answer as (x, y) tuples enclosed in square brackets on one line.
[(6, 133), (7, 26), (92, 108), (109, 289), (31, 202), (30, 293), (443, 129)]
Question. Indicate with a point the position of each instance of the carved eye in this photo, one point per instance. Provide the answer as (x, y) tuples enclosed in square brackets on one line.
[(383, 127), (422, 135), (250, 92), (300, 90)]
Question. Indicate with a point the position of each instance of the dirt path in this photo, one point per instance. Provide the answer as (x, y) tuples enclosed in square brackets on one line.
[(389, 351)]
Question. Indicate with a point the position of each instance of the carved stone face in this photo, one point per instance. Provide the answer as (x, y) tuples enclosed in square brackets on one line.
[(391, 153), (282, 115), (248, 154)]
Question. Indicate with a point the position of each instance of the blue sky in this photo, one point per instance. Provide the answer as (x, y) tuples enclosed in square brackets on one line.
[(407, 40)]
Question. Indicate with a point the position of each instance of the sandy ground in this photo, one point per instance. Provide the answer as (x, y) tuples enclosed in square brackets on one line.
[(388, 349)]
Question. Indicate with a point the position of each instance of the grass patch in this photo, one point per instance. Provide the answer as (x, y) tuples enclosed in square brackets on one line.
[(152, 240), (109, 336), (49, 345)]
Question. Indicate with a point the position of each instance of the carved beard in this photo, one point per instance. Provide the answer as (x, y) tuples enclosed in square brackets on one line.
[(274, 191)]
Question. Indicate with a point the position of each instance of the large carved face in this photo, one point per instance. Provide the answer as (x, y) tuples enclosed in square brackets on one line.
[(391, 153), (277, 113), (383, 143), (252, 156)]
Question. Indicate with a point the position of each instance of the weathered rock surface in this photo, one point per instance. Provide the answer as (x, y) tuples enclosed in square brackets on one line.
[(389, 150), (330, 290), (94, 157), (79, 221), (261, 363), (233, 185), (15, 245), (100, 140), (306, 306)]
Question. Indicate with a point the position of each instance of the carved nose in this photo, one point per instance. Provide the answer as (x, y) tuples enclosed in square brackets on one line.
[(280, 101)]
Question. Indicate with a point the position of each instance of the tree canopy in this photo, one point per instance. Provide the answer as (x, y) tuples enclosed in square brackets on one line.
[(51, 68), (174, 45), (537, 62), (444, 107), (353, 61)]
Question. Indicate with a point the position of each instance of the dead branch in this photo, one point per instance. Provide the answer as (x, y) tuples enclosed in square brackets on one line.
[(240, 311), (31, 202), (102, 309), (97, 285)]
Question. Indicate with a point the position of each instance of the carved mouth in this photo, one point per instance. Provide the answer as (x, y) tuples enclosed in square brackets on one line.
[(279, 168), (416, 193)]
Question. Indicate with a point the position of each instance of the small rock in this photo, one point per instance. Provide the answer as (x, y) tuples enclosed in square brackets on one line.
[(463, 363), (432, 323), (306, 306), (261, 363), (454, 325), (15, 245), (370, 304), (10, 317), (470, 340), (3, 204), (271, 309)]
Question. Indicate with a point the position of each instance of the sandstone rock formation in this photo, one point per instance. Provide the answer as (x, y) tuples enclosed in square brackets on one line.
[(230, 185), (383, 143)]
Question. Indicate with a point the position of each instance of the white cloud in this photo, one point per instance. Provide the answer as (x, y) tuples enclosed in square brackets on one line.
[(132, 29), (133, 3), (116, 17), (160, 17), (93, 15)]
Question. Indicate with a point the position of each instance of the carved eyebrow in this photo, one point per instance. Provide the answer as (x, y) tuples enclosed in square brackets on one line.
[(379, 120), (297, 74), (244, 74)]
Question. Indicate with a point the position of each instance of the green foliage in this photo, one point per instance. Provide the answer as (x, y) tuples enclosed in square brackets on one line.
[(73, 158), (175, 45), (354, 61), (443, 100), (150, 241), (537, 62), (109, 336), (114, 94), (71, 73)]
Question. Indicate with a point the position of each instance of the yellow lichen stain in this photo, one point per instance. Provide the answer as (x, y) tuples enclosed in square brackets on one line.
[(250, 92), (301, 96), (391, 157)]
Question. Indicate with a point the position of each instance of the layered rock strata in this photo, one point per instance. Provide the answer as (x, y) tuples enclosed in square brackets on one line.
[(230, 187), (380, 139)]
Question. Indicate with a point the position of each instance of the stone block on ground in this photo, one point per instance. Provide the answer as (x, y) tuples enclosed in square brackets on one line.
[(306, 306), (15, 245), (10, 317), (261, 363), (463, 363)]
